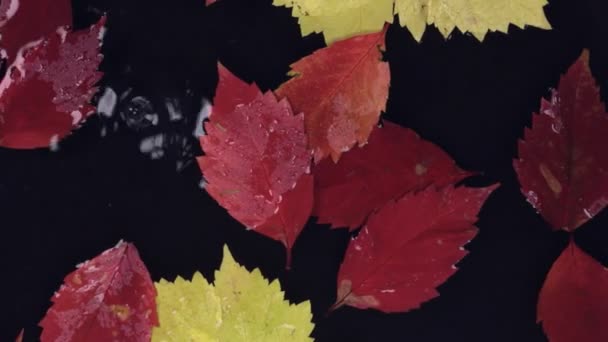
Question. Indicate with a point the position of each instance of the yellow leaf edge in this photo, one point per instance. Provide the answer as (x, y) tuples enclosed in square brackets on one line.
[(414, 15), (159, 334)]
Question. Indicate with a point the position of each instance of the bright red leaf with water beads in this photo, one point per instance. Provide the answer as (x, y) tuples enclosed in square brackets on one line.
[(25, 21), (231, 92), (573, 303), (395, 161), (341, 90), (46, 91), (562, 166), (108, 298), (256, 160), (408, 248)]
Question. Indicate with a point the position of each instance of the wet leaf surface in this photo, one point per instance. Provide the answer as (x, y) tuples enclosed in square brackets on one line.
[(256, 160), (110, 297), (409, 248), (562, 165), (573, 303), (394, 162), (45, 93)]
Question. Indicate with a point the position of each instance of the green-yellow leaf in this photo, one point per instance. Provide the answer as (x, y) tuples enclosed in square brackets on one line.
[(340, 19), (241, 306), (187, 310)]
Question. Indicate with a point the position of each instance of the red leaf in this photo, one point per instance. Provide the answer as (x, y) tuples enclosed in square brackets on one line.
[(20, 336), (255, 154), (109, 298), (408, 248), (563, 168), (573, 303), (341, 90), (394, 162), (294, 211), (23, 21), (46, 91), (231, 92)]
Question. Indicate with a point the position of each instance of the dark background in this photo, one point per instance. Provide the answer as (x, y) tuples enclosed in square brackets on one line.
[(472, 99)]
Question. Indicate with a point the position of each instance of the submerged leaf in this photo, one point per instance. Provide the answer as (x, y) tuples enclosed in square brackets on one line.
[(562, 165), (408, 248), (187, 311), (573, 303), (341, 90), (108, 298), (394, 162), (241, 306)]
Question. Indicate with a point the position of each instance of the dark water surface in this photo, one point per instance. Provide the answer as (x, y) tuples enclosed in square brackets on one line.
[(130, 175)]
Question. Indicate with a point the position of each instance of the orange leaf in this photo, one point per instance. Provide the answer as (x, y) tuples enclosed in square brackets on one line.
[(341, 90)]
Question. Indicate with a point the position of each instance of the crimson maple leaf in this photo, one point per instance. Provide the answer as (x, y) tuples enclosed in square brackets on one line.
[(573, 303), (562, 166), (46, 90), (108, 298), (256, 160), (395, 161), (341, 90), (408, 248)]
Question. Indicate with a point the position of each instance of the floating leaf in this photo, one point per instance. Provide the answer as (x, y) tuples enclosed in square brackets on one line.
[(187, 311), (343, 19), (231, 92), (562, 166), (395, 161), (255, 155), (294, 211), (20, 336), (242, 306), (340, 19), (408, 248), (108, 298), (573, 303), (24, 21), (46, 91), (341, 90), (474, 16)]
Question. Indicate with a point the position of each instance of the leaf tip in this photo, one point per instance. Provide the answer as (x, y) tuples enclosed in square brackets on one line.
[(20, 336)]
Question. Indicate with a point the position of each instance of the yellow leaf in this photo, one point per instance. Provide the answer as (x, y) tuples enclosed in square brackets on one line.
[(187, 311), (340, 19), (241, 306)]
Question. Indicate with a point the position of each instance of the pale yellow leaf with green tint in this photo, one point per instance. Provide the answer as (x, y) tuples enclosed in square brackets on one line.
[(474, 16), (255, 310), (187, 311), (241, 306), (340, 19)]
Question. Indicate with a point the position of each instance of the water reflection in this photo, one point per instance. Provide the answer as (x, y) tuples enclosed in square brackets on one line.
[(168, 128)]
